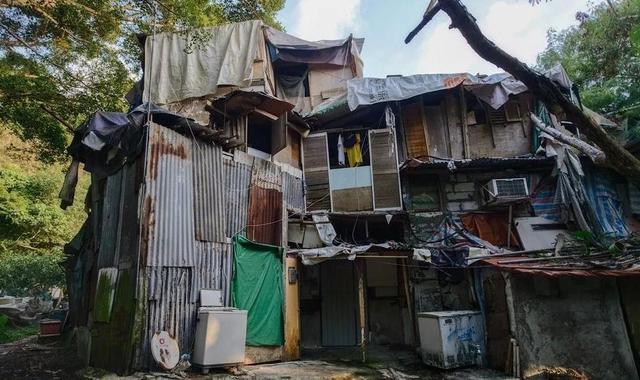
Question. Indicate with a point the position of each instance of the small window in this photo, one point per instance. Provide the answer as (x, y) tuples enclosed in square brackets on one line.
[(424, 193), (512, 111), (349, 140)]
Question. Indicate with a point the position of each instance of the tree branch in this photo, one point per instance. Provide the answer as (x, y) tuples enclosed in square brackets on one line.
[(58, 118), (595, 154), (542, 88), (431, 11)]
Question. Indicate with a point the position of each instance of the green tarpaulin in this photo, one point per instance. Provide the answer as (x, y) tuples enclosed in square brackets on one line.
[(257, 288)]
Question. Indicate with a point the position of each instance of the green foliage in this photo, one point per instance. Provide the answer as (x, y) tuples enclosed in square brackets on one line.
[(33, 228), (63, 60), (11, 334), (30, 274), (602, 56)]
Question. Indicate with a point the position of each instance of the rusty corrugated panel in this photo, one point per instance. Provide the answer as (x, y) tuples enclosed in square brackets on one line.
[(264, 221), (214, 269), (209, 193), (237, 180), (293, 191), (266, 174), (172, 310), (168, 217)]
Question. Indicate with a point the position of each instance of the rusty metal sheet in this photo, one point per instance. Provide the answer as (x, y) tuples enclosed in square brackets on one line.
[(168, 231), (209, 193), (264, 221), (266, 174), (237, 180), (293, 192)]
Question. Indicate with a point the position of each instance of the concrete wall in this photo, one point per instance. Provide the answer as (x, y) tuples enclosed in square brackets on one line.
[(572, 323)]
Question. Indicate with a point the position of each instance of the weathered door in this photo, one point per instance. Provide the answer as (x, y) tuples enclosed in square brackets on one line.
[(339, 301)]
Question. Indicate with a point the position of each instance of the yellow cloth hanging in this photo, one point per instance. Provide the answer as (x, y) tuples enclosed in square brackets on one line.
[(354, 154)]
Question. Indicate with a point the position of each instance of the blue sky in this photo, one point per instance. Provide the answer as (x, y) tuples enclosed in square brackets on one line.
[(514, 25)]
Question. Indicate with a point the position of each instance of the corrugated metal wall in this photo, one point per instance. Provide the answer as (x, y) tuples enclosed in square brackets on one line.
[(195, 199), (169, 197), (237, 179), (264, 220), (293, 192), (208, 193)]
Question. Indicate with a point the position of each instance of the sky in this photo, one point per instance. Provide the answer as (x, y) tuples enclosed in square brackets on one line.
[(514, 25)]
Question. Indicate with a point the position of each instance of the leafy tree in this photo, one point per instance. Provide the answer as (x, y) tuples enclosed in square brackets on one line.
[(61, 60), (602, 56)]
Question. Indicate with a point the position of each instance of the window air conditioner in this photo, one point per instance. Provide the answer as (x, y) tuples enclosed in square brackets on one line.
[(506, 188)]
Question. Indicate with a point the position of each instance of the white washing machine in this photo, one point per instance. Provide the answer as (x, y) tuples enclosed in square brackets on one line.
[(220, 333)]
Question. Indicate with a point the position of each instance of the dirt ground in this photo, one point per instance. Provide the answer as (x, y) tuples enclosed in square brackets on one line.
[(29, 359)]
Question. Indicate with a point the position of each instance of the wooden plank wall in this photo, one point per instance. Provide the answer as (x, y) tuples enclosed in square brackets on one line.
[(386, 187), (316, 171)]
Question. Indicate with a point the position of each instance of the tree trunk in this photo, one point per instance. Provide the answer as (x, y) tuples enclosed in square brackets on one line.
[(541, 87)]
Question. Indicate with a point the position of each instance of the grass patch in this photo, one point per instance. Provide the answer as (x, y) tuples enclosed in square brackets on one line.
[(10, 334)]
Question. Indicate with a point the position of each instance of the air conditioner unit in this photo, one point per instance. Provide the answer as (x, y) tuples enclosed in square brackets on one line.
[(506, 188)]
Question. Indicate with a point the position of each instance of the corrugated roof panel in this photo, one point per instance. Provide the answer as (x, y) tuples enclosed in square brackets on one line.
[(237, 178), (168, 216), (209, 193)]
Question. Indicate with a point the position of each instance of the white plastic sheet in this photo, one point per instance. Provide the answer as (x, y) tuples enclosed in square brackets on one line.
[(177, 67), (493, 89)]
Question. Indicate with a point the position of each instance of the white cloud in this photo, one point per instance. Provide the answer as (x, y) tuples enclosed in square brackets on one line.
[(325, 19), (515, 26)]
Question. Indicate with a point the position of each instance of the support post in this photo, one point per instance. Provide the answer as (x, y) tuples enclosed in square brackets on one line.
[(463, 120), (360, 264), (405, 278)]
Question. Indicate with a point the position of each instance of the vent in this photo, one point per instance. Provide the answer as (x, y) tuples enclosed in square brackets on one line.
[(508, 188)]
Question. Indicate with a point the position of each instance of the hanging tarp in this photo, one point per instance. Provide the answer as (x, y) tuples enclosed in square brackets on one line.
[(493, 89), (257, 288), (287, 48), (180, 65)]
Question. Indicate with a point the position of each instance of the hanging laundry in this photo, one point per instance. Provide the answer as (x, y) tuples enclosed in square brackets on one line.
[(340, 150), (352, 148)]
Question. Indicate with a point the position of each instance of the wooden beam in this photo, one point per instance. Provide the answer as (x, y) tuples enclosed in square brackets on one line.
[(265, 114)]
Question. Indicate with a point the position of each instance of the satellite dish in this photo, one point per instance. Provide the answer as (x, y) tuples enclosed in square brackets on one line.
[(165, 350)]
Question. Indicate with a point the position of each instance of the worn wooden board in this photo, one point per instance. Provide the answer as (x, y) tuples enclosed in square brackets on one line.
[(316, 170), (355, 199), (413, 120)]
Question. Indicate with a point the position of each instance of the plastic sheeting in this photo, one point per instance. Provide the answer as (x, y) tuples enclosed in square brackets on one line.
[(178, 66), (285, 47), (493, 89), (257, 288)]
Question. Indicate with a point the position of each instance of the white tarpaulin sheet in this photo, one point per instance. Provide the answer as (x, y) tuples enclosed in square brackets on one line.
[(493, 89), (314, 256), (177, 67)]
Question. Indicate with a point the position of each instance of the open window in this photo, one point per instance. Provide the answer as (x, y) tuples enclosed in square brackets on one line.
[(356, 169)]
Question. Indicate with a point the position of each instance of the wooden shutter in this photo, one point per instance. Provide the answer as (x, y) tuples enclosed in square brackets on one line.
[(413, 122), (316, 172), (279, 134), (384, 169)]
